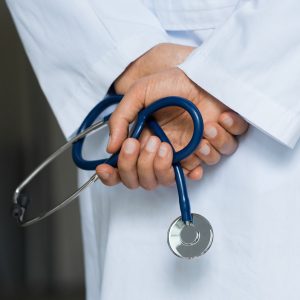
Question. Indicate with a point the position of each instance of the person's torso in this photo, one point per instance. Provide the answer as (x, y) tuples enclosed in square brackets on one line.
[(251, 199)]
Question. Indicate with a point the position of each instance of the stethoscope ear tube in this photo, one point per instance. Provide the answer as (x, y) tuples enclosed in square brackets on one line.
[(87, 122), (21, 200), (145, 116)]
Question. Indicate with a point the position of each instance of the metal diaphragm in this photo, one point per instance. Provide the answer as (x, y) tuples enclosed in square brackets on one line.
[(189, 240)]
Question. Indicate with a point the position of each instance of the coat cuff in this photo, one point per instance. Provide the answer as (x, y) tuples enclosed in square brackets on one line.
[(259, 110)]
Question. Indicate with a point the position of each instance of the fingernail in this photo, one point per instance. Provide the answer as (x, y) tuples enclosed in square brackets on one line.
[(129, 147), (151, 144), (204, 149), (211, 132), (163, 150), (228, 121), (104, 175)]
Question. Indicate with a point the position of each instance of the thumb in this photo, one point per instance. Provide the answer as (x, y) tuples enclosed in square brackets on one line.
[(125, 113)]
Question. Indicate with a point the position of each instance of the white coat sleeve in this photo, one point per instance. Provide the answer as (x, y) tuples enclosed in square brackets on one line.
[(78, 47), (252, 64)]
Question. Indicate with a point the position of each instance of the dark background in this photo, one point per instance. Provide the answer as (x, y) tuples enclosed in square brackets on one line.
[(43, 261)]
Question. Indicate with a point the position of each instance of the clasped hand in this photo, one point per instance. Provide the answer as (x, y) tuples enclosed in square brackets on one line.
[(148, 162)]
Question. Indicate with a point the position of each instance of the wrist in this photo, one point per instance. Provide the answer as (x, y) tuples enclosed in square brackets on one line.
[(135, 70)]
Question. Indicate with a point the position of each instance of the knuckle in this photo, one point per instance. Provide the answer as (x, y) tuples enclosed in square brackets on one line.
[(228, 147), (160, 166), (214, 160), (142, 164), (168, 181), (131, 185), (124, 166), (149, 186), (222, 143)]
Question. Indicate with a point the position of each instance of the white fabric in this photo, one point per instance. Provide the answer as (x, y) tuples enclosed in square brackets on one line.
[(252, 202), (77, 48), (251, 198), (250, 64)]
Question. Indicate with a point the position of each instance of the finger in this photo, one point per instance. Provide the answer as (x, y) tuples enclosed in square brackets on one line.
[(233, 123), (207, 153), (145, 165), (146, 133), (219, 138), (124, 114), (127, 163), (185, 172), (143, 92), (125, 80), (191, 162), (163, 168), (108, 175), (196, 174)]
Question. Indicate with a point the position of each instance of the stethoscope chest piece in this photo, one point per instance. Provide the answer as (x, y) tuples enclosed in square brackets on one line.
[(189, 240)]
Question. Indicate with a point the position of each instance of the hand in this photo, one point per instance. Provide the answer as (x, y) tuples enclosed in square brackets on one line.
[(149, 162), (157, 59)]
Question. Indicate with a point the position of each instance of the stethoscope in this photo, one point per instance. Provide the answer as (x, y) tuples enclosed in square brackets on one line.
[(190, 235)]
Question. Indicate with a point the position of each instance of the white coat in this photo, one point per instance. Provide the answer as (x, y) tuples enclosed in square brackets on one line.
[(248, 57)]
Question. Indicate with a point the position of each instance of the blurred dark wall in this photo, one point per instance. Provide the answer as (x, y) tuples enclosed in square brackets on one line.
[(45, 259)]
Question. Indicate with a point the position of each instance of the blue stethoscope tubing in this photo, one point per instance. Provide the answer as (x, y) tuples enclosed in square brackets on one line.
[(145, 117)]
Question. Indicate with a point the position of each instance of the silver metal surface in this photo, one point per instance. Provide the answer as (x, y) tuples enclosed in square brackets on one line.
[(62, 204), (192, 239), (99, 125)]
